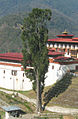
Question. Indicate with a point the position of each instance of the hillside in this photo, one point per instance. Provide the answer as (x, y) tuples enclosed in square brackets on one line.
[(63, 93), (10, 32), (15, 6), (12, 13)]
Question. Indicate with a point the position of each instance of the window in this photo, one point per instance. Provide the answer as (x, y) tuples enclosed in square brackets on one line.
[(68, 52), (22, 80), (4, 71), (16, 79), (14, 72), (23, 74), (53, 67)]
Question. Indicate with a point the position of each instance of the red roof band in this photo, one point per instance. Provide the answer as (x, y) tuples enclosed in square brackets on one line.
[(64, 40), (12, 56), (55, 53), (65, 37)]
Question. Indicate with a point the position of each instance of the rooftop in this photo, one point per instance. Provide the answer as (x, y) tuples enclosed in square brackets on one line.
[(55, 53), (10, 108), (65, 37), (11, 56), (64, 40)]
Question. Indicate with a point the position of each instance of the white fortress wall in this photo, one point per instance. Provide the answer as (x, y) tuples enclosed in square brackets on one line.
[(12, 77), (55, 73), (17, 81)]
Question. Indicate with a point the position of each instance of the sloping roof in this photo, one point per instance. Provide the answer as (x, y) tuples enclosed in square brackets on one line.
[(55, 53), (10, 108), (64, 40), (65, 60), (62, 58), (11, 56), (52, 49), (76, 38), (66, 35)]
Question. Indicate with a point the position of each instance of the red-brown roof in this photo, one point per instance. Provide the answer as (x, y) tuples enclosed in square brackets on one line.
[(66, 35), (55, 53), (12, 56), (62, 58), (52, 49), (65, 60), (76, 38), (63, 40)]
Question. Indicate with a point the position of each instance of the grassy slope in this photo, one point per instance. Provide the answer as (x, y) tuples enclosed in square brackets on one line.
[(26, 106), (63, 93), (66, 93)]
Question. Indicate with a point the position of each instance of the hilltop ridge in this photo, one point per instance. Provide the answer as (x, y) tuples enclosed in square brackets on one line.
[(12, 13)]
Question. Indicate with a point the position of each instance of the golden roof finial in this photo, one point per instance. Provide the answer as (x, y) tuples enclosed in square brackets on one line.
[(65, 32)]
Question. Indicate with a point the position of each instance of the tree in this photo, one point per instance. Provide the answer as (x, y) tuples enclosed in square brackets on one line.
[(35, 53)]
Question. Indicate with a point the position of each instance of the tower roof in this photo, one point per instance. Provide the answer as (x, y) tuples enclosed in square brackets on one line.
[(65, 35), (65, 32)]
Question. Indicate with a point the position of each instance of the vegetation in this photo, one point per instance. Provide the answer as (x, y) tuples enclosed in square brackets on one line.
[(63, 93), (10, 29), (15, 6), (26, 106), (12, 13), (2, 113), (35, 53), (67, 96), (57, 89)]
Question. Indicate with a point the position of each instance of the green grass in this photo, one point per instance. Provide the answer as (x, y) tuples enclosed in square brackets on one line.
[(68, 97), (26, 106), (64, 93), (30, 94), (49, 116), (10, 33), (2, 113)]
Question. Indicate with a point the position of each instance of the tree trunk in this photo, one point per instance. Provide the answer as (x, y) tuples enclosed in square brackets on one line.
[(39, 99)]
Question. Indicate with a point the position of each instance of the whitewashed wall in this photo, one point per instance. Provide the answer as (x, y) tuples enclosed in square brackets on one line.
[(20, 82), (67, 55), (72, 66), (77, 55), (9, 81), (53, 75)]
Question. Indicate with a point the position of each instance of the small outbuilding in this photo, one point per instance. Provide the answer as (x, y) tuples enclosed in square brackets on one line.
[(14, 111)]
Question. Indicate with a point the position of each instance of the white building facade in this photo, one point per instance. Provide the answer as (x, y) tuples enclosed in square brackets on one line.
[(12, 75), (65, 43)]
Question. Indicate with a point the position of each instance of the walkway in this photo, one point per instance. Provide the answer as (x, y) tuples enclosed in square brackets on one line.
[(56, 109)]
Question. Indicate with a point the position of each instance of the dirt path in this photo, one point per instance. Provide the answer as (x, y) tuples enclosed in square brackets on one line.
[(56, 109), (62, 110), (68, 117)]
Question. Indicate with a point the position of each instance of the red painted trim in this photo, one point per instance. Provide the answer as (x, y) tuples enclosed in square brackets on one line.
[(8, 64)]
